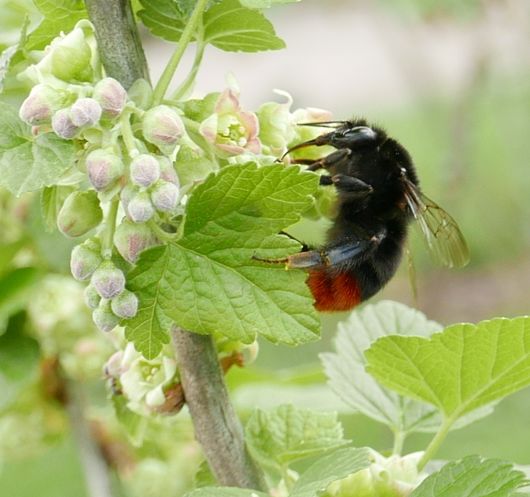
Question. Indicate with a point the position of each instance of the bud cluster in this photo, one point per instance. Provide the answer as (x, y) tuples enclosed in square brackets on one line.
[(106, 293)]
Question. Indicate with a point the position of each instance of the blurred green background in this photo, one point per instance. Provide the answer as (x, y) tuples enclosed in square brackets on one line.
[(451, 81)]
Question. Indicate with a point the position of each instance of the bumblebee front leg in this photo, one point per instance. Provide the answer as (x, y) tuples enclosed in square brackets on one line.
[(334, 159)]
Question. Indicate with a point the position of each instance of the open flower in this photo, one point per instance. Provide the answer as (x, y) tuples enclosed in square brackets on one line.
[(232, 130)]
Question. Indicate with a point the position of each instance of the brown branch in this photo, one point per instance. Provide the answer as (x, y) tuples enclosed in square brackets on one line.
[(217, 427)]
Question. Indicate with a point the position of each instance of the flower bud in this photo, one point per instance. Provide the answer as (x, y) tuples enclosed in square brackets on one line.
[(104, 318), (63, 125), (103, 168), (91, 297), (85, 259), (79, 214), (40, 104), (140, 208), (125, 305), (85, 112), (163, 127), (145, 170), (71, 57), (167, 171), (111, 96), (108, 280), (165, 196), (131, 238)]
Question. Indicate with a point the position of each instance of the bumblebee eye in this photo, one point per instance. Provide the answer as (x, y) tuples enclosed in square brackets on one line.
[(353, 137), (361, 133)]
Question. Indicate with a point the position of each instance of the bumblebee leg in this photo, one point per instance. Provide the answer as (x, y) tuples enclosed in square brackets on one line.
[(350, 184), (333, 159), (305, 247), (315, 259)]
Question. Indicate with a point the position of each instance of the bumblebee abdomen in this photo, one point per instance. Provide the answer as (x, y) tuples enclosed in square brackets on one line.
[(334, 291)]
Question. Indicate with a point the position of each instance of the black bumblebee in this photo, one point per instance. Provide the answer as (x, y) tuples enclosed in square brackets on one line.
[(378, 196)]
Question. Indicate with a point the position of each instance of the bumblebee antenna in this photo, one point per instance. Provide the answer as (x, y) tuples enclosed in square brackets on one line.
[(324, 124)]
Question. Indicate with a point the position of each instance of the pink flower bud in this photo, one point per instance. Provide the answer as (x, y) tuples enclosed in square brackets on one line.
[(165, 196), (130, 239), (167, 171), (104, 318), (85, 259), (111, 96), (163, 127), (63, 125), (85, 112), (140, 208), (108, 280), (91, 297), (79, 214), (103, 168), (125, 305), (40, 104), (145, 170)]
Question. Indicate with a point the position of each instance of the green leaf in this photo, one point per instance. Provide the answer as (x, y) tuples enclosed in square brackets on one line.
[(472, 476), (149, 329), (59, 15), (346, 373), (464, 367), (231, 27), (330, 468), (285, 434), (13, 131), (15, 289), (264, 4), (209, 283), (33, 164), (224, 492), (163, 18)]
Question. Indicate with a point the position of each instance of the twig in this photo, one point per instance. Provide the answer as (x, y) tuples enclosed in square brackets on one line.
[(217, 427), (118, 40)]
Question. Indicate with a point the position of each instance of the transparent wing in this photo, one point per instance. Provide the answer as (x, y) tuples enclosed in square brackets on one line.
[(442, 235)]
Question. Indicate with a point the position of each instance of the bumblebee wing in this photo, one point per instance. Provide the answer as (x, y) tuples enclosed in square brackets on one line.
[(440, 231)]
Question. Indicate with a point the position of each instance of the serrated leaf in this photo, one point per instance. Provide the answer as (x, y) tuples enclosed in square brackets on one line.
[(264, 4), (35, 163), (464, 367), (472, 476), (287, 433), (149, 329), (230, 26), (13, 131), (163, 18), (59, 15), (224, 492), (330, 468), (346, 373), (208, 282)]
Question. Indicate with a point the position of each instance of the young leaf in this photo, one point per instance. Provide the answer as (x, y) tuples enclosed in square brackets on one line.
[(13, 131), (163, 18), (472, 476), (59, 15), (335, 466), (52, 198), (34, 163), (10, 55), (234, 28), (208, 282), (149, 328), (224, 492), (285, 434), (464, 367), (346, 373)]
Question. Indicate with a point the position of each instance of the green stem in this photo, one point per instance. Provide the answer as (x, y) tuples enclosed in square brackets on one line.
[(110, 226), (399, 440), (160, 233), (190, 79), (127, 133), (185, 38), (436, 441)]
